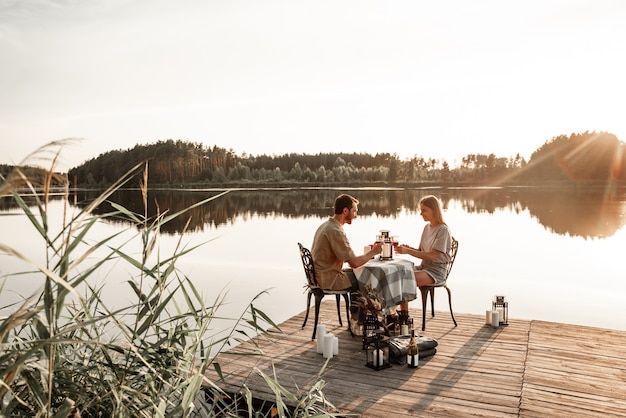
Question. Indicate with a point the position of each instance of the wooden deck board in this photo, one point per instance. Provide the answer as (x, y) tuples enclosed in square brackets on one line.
[(527, 369)]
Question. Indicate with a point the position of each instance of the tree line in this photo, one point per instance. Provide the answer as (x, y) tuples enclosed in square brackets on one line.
[(586, 157)]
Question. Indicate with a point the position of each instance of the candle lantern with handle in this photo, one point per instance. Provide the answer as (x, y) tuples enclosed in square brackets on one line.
[(377, 352), (371, 325), (502, 306)]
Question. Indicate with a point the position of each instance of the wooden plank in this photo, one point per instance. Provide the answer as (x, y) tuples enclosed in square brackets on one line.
[(574, 370), (528, 368)]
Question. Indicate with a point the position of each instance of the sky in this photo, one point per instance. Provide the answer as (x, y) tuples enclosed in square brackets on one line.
[(437, 79)]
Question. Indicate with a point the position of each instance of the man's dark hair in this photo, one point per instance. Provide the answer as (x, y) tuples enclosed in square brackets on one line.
[(344, 201)]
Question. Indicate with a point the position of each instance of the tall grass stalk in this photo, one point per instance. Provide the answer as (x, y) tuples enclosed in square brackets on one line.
[(65, 353)]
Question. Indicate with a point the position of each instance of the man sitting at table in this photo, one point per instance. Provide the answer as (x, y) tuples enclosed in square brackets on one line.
[(331, 249)]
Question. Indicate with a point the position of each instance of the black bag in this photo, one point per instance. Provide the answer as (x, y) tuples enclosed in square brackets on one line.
[(398, 347)]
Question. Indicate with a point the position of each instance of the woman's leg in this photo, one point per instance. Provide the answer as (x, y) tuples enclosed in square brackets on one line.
[(422, 278)]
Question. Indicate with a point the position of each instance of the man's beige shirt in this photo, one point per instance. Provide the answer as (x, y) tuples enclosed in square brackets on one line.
[(330, 250)]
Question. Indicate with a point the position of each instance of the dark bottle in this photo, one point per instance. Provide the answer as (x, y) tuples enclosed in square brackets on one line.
[(412, 352)]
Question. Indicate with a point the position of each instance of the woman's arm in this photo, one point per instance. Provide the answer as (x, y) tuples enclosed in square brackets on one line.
[(427, 256)]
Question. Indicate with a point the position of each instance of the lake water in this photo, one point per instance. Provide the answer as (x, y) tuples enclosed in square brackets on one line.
[(555, 255)]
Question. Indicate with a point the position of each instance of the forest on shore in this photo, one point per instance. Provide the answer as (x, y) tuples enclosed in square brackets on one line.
[(587, 158)]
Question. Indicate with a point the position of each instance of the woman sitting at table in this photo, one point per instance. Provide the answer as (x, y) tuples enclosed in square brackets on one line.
[(434, 246)]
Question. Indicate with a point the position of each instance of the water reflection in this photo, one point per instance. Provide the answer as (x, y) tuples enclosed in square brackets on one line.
[(583, 213), (7, 203)]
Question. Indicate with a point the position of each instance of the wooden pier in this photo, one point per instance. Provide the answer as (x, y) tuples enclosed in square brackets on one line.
[(526, 369)]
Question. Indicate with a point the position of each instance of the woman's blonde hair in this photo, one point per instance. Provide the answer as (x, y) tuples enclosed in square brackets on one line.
[(434, 204)]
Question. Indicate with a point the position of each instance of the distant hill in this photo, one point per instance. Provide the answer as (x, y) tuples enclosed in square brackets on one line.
[(37, 176), (580, 157)]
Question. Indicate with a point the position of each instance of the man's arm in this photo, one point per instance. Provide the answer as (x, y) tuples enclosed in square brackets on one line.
[(359, 260)]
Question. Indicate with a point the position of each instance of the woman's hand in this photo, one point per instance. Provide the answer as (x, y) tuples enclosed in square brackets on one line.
[(402, 249)]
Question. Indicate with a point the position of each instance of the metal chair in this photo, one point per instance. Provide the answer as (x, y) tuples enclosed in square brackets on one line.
[(319, 293), (425, 290)]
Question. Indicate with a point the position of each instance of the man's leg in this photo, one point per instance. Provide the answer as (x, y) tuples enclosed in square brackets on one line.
[(354, 291)]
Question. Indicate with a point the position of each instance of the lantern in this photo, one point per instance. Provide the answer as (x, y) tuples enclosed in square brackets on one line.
[(377, 351), (502, 306), (371, 326), (387, 248)]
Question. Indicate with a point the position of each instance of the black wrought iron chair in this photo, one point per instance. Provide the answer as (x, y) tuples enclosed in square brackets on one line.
[(319, 293), (430, 289)]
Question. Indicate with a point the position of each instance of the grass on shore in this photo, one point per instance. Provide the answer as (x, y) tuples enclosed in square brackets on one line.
[(65, 353)]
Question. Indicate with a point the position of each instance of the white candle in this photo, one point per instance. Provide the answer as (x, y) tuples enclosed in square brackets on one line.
[(328, 346), (335, 346), (320, 332), (495, 319), (404, 330), (378, 358), (488, 317)]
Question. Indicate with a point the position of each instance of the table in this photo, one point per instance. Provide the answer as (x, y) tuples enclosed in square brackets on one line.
[(393, 279)]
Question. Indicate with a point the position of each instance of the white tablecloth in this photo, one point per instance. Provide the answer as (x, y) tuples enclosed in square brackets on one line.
[(393, 279)]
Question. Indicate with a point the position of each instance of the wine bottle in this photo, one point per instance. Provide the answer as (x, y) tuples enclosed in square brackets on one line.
[(412, 352)]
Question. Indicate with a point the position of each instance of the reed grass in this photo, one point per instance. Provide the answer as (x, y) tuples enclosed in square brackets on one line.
[(65, 353)]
